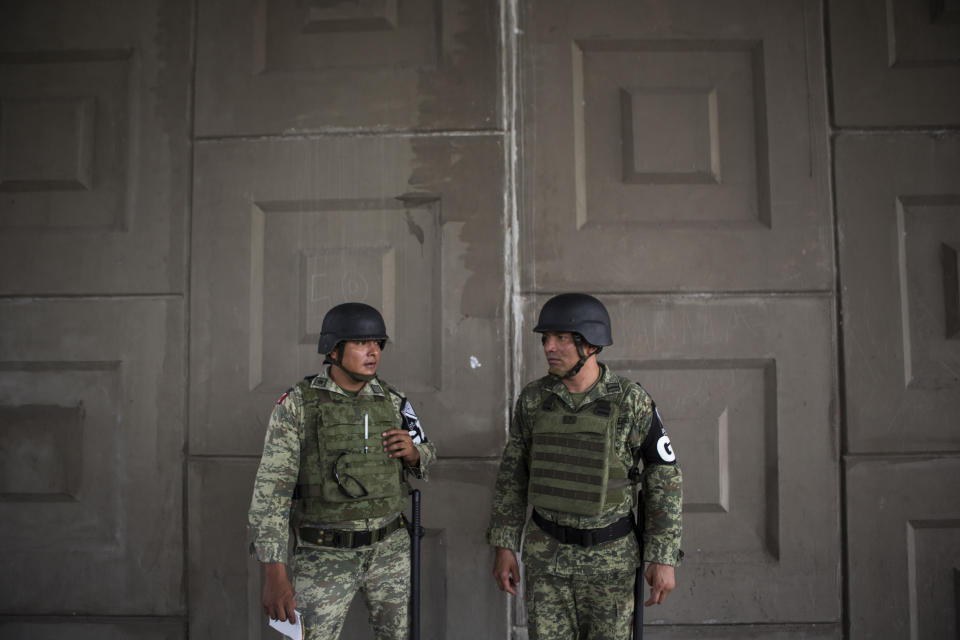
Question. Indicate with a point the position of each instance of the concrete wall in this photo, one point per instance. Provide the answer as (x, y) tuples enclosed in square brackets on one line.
[(765, 195)]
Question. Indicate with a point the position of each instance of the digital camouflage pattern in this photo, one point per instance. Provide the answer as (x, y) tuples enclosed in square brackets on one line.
[(573, 591), (270, 516), (273, 513), (325, 581), (661, 482), (589, 607)]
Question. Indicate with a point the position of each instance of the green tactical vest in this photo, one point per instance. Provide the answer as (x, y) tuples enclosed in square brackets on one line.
[(370, 483), (574, 466)]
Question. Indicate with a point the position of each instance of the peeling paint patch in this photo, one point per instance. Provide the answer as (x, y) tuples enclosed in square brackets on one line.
[(475, 362), (415, 230)]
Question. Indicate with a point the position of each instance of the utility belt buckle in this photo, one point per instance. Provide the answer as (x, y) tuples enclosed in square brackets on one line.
[(343, 539), (584, 537), (570, 535)]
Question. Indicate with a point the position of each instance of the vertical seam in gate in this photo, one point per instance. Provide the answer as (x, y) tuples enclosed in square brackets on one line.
[(512, 303), (187, 309), (513, 320)]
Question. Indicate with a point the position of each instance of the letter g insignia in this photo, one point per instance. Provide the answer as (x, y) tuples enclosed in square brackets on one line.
[(665, 450)]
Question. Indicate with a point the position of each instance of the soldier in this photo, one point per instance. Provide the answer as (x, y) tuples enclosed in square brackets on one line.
[(335, 457), (573, 452)]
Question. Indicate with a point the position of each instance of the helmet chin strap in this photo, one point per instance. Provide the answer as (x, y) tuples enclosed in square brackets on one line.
[(584, 356), (359, 377), (575, 369)]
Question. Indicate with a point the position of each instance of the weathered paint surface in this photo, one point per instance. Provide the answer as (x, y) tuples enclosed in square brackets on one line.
[(186, 186)]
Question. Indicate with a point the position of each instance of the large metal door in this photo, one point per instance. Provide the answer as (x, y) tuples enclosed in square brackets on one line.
[(896, 86), (93, 193), (674, 163), (186, 186), (346, 151)]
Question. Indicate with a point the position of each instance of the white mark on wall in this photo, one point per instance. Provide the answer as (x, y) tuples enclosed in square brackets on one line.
[(475, 362)]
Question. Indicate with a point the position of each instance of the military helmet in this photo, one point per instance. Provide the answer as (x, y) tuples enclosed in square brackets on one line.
[(576, 313), (351, 321)]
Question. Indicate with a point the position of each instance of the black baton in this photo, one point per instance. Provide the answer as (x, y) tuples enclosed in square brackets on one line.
[(638, 583), (415, 534)]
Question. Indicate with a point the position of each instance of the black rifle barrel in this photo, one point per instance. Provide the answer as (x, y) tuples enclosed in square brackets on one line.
[(415, 535)]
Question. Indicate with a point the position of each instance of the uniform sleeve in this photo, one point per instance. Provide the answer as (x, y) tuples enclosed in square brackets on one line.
[(510, 494), (428, 454), (269, 516), (662, 486)]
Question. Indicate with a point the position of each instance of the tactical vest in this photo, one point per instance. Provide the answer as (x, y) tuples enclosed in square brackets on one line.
[(574, 466), (344, 476)]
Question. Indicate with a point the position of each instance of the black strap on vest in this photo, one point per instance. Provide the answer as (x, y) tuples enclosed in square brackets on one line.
[(586, 537), (343, 539)]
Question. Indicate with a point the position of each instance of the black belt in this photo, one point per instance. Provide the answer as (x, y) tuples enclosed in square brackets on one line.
[(343, 539), (586, 537)]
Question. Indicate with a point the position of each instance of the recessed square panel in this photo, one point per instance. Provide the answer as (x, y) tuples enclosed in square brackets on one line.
[(288, 66), (933, 552), (311, 256), (686, 143), (898, 212), (903, 521), (895, 63), (91, 446), (923, 36), (726, 428), (94, 146), (928, 230), (286, 229), (751, 418), (325, 284), (46, 144), (65, 131), (299, 36), (59, 421), (40, 452), (670, 136), (692, 116), (362, 15)]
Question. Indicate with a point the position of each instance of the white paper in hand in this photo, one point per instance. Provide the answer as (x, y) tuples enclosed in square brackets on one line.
[(290, 628)]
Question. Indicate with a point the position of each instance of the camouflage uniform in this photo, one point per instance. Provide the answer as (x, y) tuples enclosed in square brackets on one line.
[(325, 579), (570, 589)]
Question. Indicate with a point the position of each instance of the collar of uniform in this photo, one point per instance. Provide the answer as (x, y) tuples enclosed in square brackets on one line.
[(607, 384), (324, 380)]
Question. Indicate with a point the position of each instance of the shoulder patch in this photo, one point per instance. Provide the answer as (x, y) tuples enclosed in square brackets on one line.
[(412, 423), (657, 448), (284, 396)]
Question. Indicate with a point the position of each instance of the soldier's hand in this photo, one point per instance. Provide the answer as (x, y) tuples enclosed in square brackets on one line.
[(398, 444), (506, 571), (278, 595), (661, 579)]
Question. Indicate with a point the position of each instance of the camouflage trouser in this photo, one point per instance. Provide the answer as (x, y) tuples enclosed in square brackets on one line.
[(326, 580), (579, 607)]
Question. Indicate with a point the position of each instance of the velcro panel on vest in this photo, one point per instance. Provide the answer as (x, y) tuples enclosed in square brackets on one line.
[(356, 460), (319, 498), (569, 464)]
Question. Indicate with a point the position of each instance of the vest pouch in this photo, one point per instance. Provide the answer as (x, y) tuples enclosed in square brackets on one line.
[(570, 460), (362, 476)]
